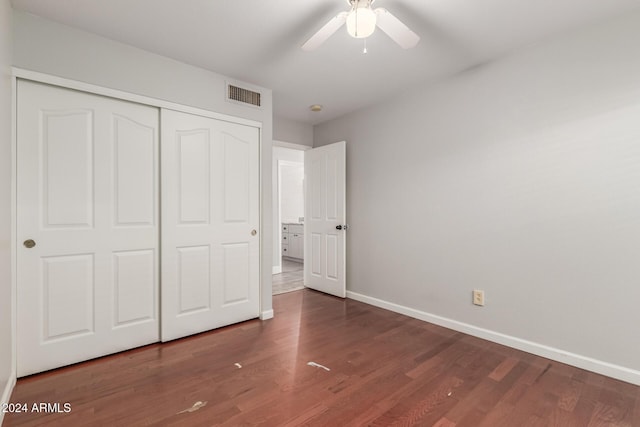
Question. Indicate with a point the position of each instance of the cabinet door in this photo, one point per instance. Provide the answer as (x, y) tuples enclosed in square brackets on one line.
[(87, 212), (296, 228), (295, 245), (210, 224)]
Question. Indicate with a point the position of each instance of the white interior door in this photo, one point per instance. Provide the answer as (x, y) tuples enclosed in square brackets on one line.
[(210, 223), (87, 198), (325, 215)]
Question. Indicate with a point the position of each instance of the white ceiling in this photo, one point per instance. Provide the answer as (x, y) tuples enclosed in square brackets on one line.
[(258, 41)]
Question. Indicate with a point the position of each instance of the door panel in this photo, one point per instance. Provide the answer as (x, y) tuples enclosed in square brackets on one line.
[(210, 202), (135, 286), (87, 195), (66, 139), (236, 273), (135, 180), (194, 277), (333, 254), (68, 289), (325, 208), (236, 179), (193, 176)]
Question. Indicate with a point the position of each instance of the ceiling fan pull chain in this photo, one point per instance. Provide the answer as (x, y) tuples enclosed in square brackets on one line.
[(364, 51), (355, 11)]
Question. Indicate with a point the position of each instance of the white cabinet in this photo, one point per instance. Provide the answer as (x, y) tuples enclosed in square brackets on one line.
[(285, 240), (296, 245), (293, 241)]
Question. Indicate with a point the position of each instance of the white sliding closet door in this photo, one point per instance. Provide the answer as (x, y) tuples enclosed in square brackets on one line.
[(210, 223), (87, 226)]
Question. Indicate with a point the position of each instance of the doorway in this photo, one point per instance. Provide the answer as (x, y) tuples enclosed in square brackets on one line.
[(288, 184)]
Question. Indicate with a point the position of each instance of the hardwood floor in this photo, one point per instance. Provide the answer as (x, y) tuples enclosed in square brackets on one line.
[(385, 370)]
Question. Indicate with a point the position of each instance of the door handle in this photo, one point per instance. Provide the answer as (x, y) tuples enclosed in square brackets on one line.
[(342, 227), (29, 243)]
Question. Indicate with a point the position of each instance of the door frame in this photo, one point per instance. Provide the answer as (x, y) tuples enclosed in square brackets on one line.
[(22, 74), (277, 214)]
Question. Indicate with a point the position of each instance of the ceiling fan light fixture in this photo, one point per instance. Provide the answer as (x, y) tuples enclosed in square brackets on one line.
[(361, 21)]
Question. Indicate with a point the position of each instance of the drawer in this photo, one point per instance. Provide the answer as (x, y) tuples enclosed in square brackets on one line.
[(285, 238), (285, 250), (296, 228), (285, 228)]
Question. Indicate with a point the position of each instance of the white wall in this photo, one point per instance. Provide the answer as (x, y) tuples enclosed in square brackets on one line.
[(288, 155), (522, 178), (6, 362), (292, 131), (291, 192), (52, 48)]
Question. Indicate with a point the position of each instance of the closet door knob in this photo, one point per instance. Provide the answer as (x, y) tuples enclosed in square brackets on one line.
[(254, 232), (29, 243)]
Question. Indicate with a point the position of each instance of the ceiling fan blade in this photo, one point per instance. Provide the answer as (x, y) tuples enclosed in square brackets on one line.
[(395, 29), (325, 32)]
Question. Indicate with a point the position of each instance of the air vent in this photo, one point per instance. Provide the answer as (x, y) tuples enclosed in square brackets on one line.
[(243, 95)]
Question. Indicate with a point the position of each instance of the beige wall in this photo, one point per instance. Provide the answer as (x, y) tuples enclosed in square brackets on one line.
[(291, 131), (521, 178)]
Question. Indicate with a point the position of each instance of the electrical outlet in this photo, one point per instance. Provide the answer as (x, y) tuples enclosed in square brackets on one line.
[(478, 297)]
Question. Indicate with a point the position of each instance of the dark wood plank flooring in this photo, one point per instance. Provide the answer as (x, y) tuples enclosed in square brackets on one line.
[(385, 370)]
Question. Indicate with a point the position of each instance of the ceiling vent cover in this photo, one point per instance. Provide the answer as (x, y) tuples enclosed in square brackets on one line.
[(243, 95)]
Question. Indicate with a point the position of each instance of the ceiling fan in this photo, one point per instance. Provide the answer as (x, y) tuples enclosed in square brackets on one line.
[(361, 22)]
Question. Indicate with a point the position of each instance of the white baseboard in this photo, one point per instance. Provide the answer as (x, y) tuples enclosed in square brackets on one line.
[(276, 269), (6, 393), (615, 371), (266, 315)]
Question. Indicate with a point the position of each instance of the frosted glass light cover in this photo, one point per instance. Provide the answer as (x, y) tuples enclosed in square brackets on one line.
[(361, 21)]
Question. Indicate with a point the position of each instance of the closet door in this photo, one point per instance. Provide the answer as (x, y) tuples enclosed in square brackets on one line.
[(87, 226), (210, 223)]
